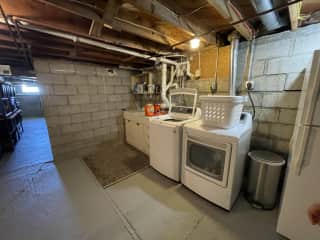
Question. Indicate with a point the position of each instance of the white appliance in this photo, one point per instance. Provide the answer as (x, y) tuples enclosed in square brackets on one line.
[(165, 132), (302, 183), (214, 158), (5, 70)]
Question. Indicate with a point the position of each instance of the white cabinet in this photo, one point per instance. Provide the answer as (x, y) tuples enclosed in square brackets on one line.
[(137, 130)]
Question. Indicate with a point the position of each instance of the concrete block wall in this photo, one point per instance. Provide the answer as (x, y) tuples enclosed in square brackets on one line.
[(278, 71), (82, 104)]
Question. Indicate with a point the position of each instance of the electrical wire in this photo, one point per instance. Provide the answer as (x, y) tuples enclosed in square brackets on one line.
[(252, 104)]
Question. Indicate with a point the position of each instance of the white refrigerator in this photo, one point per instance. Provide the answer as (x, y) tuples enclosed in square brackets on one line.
[(302, 182)]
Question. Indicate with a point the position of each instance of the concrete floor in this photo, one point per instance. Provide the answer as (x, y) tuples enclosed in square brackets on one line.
[(33, 148), (64, 201), (47, 200), (61, 201), (158, 208)]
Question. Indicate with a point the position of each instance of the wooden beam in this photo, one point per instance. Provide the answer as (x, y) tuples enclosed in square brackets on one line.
[(294, 13), (111, 37), (111, 11), (117, 24), (157, 9), (74, 8), (232, 14)]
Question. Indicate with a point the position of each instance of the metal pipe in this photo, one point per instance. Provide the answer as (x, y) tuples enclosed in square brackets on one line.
[(234, 39), (270, 20), (95, 43)]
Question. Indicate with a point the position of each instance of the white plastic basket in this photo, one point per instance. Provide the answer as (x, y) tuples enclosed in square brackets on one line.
[(221, 111)]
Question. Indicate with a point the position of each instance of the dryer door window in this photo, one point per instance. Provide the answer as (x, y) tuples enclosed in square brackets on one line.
[(209, 161)]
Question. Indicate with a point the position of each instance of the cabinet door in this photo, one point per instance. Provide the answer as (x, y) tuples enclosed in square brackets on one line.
[(146, 139), (139, 141), (135, 135), (130, 132)]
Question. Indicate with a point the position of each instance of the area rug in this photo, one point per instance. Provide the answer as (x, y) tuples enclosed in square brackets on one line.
[(114, 161)]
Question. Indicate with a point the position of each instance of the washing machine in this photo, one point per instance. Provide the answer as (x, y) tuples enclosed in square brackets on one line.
[(165, 132), (213, 160)]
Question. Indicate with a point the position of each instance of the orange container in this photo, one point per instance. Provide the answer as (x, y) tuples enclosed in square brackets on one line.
[(149, 110)]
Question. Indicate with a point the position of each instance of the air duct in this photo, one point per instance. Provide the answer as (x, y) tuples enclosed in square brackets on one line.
[(271, 21)]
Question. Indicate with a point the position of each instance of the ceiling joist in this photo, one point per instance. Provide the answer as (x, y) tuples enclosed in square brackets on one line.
[(162, 12), (294, 13), (110, 12)]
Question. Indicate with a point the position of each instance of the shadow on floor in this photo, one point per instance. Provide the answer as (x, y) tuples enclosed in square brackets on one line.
[(33, 148)]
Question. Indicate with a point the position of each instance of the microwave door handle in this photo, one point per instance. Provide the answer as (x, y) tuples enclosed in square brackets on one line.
[(300, 152)]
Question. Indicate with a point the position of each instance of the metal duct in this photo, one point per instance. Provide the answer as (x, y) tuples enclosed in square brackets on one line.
[(271, 21), (234, 39)]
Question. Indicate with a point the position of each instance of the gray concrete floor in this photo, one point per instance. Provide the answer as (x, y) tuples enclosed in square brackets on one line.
[(64, 201), (46, 200), (33, 148), (158, 208), (57, 201)]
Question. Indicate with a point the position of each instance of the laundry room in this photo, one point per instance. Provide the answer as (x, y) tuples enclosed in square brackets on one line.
[(159, 119)]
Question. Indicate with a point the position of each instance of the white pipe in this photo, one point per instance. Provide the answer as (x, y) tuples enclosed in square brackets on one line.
[(164, 84), (98, 44), (252, 50), (173, 72), (234, 38)]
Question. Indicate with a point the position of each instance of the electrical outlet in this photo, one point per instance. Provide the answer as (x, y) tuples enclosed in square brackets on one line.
[(197, 73), (249, 85)]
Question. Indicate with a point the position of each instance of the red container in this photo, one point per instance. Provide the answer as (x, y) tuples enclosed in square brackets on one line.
[(149, 110)]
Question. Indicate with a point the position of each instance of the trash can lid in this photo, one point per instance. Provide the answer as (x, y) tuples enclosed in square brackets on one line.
[(267, 157)]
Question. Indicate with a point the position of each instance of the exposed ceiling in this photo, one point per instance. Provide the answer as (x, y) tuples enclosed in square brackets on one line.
[(152, 27)]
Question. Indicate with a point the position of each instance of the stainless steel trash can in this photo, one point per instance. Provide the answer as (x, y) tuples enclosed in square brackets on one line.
[(264, 174)]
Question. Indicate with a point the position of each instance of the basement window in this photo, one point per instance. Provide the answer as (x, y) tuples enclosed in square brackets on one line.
[(30, 89)]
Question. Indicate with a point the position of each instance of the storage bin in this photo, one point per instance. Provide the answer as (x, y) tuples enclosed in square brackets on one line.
[(221, 111)]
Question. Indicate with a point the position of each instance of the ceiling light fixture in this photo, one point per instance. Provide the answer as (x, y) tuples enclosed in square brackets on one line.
[(195, 43)]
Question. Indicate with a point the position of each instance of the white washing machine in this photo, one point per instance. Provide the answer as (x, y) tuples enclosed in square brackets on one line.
[(213, 160), (165, 132)]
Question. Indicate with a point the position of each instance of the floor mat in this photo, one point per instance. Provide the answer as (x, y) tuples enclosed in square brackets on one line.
[(114, 161)]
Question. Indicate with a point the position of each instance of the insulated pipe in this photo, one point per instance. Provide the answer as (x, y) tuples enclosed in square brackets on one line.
[(270, 20), (95, 43), (164, 84), (234, 39)]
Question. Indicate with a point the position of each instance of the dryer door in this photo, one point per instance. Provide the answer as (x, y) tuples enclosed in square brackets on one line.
[(210, 161)]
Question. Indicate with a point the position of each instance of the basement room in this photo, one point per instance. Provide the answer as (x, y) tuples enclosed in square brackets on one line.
[(159, 119)]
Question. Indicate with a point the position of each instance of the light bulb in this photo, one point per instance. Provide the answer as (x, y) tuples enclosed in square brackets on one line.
[(195, 43)]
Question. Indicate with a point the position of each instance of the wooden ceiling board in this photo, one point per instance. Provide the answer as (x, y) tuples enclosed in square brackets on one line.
[(309, 6)]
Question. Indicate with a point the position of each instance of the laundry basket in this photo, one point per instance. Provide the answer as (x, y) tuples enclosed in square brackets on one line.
[(221, 111)]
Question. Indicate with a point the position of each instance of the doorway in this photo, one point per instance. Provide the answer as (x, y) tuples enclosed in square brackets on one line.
[(31, 145)]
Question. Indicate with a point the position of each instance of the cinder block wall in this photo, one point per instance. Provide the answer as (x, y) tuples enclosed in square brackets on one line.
[(278, 71), (82, 104)]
